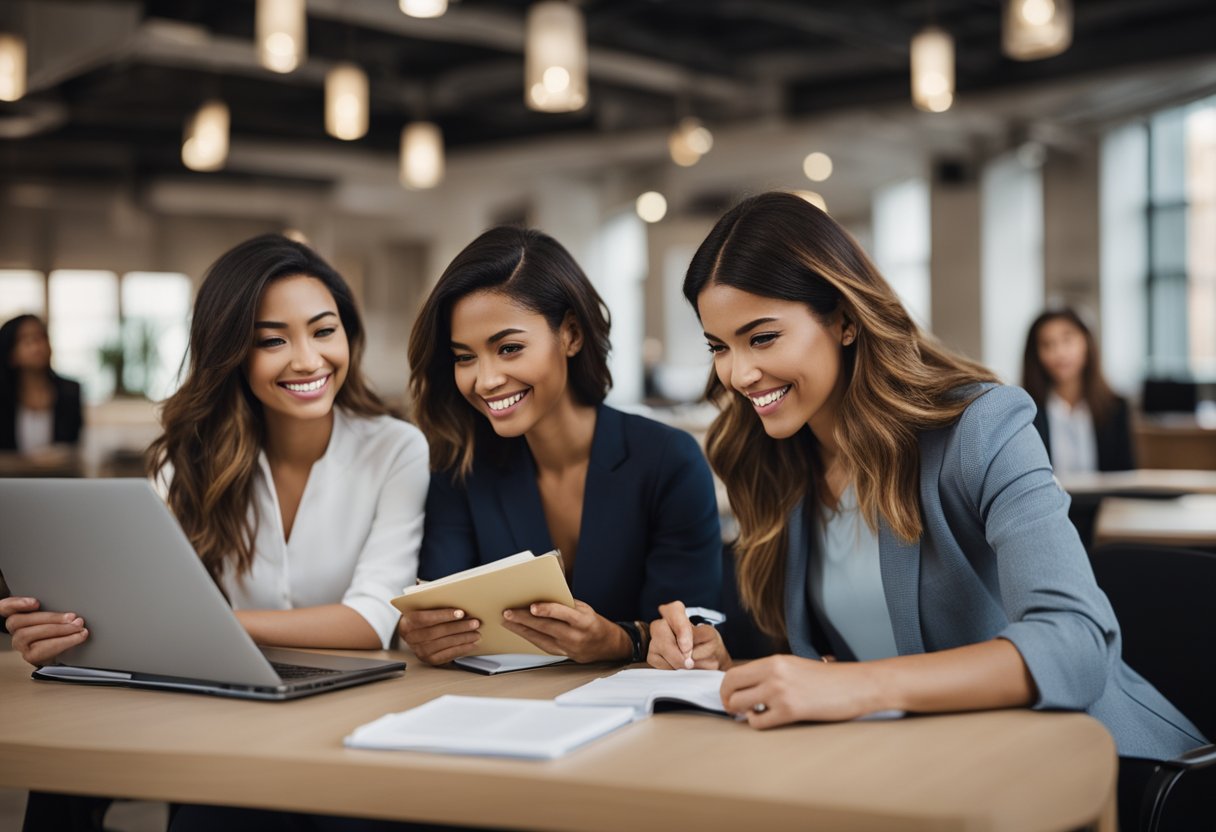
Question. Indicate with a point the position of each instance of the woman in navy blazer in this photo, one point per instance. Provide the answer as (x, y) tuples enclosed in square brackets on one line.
[(28, 385), (508, 375), (965, 586)]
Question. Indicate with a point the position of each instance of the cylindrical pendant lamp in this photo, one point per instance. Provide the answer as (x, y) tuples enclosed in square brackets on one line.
[(1034, 29), (423, 8), (346, 102), (555, 57), (282, 33), (421, 155), (205, 143), (933, 69), (12, 67)]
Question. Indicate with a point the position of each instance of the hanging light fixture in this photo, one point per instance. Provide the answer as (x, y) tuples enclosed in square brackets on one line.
[(689, 142), (1035, 29), (205, 143), (555, 57), (933, 69), (817, 166), (424, 8), (346, 102), (282, 31), (12, 67), (421, 155)]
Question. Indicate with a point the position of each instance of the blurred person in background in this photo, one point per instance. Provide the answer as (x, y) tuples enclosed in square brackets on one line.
[(38, 408), (1084, 425)]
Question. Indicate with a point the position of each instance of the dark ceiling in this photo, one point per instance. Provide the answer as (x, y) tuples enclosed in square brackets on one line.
[(121, 115)]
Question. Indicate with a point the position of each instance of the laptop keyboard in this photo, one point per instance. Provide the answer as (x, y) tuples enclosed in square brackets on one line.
[(295, 672)]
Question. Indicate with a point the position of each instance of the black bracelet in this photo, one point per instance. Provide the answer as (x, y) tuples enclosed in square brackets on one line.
[(635, 639)]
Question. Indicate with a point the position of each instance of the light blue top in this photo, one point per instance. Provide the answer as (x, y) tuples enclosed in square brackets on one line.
[(846, 581), (998, 558)]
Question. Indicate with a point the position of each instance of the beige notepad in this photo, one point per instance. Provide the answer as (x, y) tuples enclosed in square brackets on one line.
[(483, 592)]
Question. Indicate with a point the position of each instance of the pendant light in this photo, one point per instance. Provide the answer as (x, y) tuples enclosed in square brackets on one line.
[(346, 102), (282, 33), (421, 155), (12, 67), (933, 69), (651, 206), (205, 143), (689, 142), (1035, 29), (424, 8), (555, 57)]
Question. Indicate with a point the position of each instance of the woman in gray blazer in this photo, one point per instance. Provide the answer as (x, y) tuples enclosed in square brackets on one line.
[(895, 503)]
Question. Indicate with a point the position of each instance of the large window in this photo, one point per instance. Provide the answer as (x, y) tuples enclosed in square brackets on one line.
[(115, 335), (1181, 241)]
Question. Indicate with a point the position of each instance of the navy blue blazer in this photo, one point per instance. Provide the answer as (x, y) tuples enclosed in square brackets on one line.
[(649, 532)]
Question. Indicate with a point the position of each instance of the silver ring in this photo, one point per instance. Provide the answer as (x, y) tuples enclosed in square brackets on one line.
[(759, 708)]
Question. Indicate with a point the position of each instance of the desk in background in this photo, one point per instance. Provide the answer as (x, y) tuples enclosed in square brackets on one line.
[(1175, 442), (1141, 481), (1001, 770), (1189, 520)]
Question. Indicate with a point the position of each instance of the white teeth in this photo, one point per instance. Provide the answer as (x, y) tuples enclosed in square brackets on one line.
[(309, 387), (769, 398), (503, 404)]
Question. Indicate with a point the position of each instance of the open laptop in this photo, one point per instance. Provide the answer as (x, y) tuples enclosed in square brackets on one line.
[(110, 551)]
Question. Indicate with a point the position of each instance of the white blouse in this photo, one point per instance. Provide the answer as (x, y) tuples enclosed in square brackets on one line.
[(845, 579), (1070, 429), (357, 530), (35, 429)]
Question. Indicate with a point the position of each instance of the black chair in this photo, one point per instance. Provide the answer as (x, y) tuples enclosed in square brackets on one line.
[(1163, 598)]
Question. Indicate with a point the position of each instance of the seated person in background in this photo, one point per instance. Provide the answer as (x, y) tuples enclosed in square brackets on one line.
[(896, 507), (38, 408), (509, 370), (1084, 425)]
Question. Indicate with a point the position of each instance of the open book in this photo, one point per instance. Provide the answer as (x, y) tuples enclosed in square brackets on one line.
[(483, 592), (528, 728), (646, 690)]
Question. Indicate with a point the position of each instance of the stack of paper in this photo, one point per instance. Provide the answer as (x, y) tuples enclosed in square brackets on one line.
[(529, 728)]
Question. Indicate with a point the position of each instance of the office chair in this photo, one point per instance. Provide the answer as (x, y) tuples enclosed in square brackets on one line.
[(1163, 598)]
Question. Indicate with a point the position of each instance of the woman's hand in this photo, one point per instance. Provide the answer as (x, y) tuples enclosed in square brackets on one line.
[(675, 644), (438, 636), (579, 633), (41, 636), (778, 690)]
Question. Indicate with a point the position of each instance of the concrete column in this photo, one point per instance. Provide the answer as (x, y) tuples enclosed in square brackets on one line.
[(1071, 234), (954, 270)]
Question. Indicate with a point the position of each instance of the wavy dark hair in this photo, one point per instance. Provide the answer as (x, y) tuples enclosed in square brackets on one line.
[(535, 271), (8, 342), (214, 426), (1097, 393), (899, 382)]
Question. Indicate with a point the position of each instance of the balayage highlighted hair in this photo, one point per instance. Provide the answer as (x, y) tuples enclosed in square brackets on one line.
[(899, 382), (213, 425)]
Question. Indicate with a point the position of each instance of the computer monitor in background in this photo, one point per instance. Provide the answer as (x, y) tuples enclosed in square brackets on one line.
[(1163, 395)]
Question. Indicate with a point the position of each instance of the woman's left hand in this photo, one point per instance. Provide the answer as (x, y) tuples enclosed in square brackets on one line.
[(779, 690), (579, 633)]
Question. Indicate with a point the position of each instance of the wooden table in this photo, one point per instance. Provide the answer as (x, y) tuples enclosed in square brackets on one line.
[(1144, 480), (1000, 770), (1189, 520)]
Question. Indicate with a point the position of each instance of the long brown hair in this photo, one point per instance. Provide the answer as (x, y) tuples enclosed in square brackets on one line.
[(898, 382), (1097, 393), (534, 270), (213, 425)]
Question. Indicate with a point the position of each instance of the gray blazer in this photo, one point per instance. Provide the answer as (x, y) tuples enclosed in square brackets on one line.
[(998, 558)]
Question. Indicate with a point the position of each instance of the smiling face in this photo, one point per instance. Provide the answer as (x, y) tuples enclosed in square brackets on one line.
[(509, 363), (779, 355), (300, 353), (1063, 351)]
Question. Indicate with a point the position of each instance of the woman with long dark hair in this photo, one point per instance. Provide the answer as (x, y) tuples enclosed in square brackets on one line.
[(896, 508), (509, 371), (1084, 425), (302, 497), (38, 407)]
